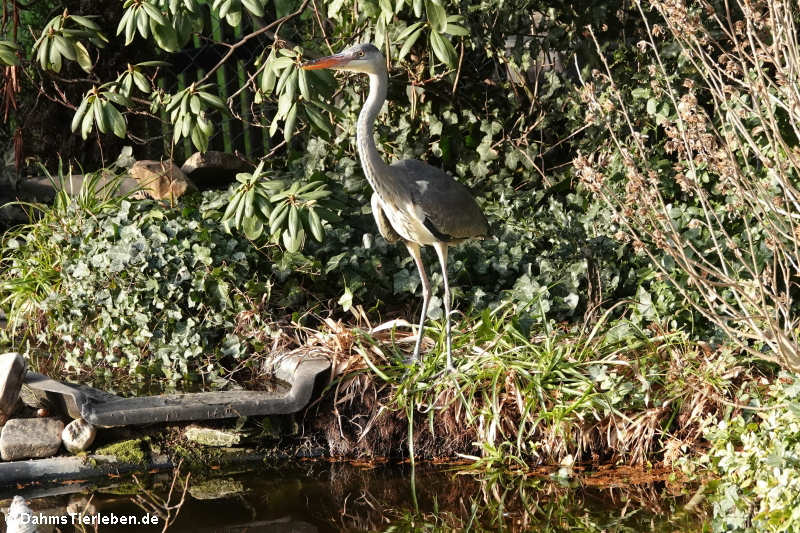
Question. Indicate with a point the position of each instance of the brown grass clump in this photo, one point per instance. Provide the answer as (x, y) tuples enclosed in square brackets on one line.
[(567, 398)]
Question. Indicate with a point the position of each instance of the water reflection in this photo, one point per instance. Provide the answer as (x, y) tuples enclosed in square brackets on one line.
[(321, 497)]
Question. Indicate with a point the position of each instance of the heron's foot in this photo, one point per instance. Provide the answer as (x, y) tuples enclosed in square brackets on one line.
[(411, 365), (448, 371), (413, 359)]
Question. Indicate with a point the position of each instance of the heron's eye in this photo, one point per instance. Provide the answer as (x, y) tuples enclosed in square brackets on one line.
[(361, 53)]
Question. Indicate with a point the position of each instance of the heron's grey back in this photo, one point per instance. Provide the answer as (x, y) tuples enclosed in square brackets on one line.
[(451, 212)]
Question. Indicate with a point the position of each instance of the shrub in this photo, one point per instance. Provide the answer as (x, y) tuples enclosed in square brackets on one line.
[(703, 179), (144, 288), (755, 455)]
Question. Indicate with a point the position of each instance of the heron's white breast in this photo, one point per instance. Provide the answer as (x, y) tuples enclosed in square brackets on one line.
[(407, 220)]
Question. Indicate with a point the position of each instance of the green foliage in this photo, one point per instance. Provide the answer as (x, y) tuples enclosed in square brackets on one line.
[(296, 88), (187, 110), (699, 173), (138, 287), (8, 53), (288, 213), (529, 396), (755, 455), (169, 23), (169, 282), (61, 40), (31, 262), (97, 108)]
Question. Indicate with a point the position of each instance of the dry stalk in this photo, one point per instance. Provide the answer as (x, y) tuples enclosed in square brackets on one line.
[(747, 76)]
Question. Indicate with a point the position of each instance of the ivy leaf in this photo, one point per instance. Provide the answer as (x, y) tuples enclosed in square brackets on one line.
[(652, 106), (346, 299)]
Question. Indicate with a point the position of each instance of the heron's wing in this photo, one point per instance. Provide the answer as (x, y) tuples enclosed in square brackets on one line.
[(450, 211), (384, 226)]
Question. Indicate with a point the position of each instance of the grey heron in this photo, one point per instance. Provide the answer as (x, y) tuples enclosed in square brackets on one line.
[(412, 201)]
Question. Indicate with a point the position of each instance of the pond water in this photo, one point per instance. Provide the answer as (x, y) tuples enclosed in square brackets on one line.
[(318, 496)]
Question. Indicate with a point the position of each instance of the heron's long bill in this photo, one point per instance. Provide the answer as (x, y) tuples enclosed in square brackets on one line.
[(326, 62)]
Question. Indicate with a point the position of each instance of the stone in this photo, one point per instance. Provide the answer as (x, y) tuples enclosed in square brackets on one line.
[(26, 438), (78, 435), (44, 189), (161, 180), (12, 372), (211, 437), (37, 401), (213, 169)]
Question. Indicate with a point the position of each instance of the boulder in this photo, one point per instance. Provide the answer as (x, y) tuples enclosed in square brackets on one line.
[(161, 180), (214, 170), (78, 436), (26, 438), (44, 189), (12, 372)]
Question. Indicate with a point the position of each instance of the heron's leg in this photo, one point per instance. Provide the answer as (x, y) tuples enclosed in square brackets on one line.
[(413, 249), (441, 251)]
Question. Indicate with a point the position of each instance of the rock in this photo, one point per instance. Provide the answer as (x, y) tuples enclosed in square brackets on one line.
[(35, 400), (12, 371), (25, 438), (211, 437), (78, 436), (43, 189), (161, 180), (214, 169), (18, 518), (11, 215)]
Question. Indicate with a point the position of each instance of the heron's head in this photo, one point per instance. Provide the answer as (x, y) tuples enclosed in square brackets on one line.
[(359, 58)]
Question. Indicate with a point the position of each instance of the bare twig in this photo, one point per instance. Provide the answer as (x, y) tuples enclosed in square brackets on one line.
[(164, 507), (232, 48), (458, 69)]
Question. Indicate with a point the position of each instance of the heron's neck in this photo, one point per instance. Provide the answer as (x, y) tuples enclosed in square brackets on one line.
[(371, 160)]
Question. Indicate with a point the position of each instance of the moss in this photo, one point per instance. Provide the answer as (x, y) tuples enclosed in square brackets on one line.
[(211, 436), (126, 451), (197, 458)]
